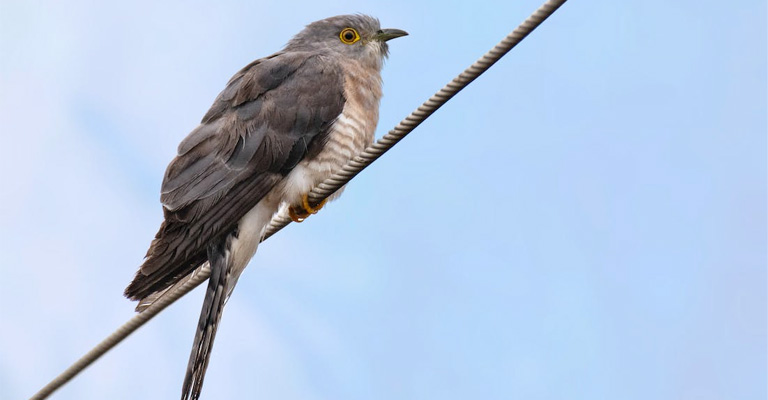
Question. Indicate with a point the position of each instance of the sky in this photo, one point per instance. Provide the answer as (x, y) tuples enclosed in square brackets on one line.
[(587, 220)]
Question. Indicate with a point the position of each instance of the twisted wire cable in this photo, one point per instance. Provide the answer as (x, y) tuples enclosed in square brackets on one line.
[(322, 191)]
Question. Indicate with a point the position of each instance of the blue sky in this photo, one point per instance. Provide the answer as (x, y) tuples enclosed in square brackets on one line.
[(585, 221)]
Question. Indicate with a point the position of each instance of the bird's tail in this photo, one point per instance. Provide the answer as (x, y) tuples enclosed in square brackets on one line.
[(215, 296)]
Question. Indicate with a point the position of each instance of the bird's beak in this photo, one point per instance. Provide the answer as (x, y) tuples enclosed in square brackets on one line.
[(387, 34)]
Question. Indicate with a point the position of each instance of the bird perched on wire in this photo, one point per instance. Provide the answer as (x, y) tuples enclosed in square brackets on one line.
[(282, 125)]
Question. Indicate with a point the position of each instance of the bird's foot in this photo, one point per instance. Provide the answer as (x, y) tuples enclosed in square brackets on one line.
[(301, 212)]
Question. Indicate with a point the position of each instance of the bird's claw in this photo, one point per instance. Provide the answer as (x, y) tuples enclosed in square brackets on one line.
[(301, 212)]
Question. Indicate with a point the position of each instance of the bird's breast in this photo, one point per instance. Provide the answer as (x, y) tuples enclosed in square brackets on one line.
[(349, 135), (352, 132), (354, 129)]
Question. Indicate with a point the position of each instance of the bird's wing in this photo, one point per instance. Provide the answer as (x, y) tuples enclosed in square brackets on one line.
[(270, 116)]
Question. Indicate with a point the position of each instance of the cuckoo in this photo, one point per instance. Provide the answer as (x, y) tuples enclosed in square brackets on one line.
[(282, 125)]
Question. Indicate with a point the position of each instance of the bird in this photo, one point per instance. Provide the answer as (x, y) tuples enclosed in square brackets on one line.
[(282, 125)]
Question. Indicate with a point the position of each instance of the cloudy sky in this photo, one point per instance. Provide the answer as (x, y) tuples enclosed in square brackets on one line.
[(586, 221)]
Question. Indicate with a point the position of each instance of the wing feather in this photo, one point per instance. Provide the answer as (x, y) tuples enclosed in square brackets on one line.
[(265, 121)]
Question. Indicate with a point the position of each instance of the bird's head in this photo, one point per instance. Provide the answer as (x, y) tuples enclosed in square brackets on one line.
[(357, 37)]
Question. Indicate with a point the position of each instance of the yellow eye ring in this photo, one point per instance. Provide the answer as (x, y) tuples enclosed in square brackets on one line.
[(349, 36)]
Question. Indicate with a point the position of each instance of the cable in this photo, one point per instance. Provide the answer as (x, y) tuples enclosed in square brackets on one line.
[(322, 191)]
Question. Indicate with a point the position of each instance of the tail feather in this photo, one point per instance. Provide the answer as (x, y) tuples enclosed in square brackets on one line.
[(213, 305)]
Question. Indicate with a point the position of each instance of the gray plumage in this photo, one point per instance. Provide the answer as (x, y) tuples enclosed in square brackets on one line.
[(281, 126), (257, 129)]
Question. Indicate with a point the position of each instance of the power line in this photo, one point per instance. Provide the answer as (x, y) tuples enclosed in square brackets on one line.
[(322, 191)]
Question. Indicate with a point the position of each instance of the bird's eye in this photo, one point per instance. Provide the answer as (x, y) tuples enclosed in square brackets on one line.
[(349, 36)]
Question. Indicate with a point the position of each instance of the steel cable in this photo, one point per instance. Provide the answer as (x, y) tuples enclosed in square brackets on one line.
[(322, 191)]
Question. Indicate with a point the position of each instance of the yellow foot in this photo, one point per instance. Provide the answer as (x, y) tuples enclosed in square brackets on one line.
[(301, 212)]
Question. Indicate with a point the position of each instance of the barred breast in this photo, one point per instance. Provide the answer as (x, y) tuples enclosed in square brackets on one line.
[(352, 132)]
